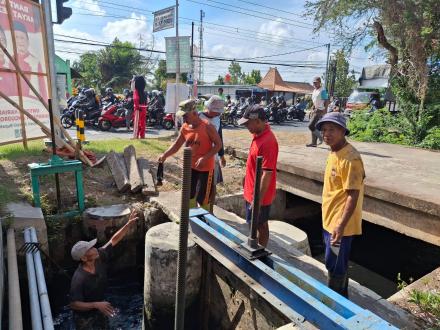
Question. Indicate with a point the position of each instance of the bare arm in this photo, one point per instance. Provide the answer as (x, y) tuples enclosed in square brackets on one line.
[(119, 235), (350, 206), (103, 306), (266, 176), (173, 149)]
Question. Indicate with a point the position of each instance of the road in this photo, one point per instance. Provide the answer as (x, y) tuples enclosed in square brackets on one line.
[(121, 133)]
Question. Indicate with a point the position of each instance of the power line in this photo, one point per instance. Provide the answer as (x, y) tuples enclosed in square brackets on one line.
[(256, 11), (243, 13), (281, 54), (267, 7), (100, 44)]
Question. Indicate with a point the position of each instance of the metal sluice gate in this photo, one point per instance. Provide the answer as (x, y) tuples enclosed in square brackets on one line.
[(305, 301)]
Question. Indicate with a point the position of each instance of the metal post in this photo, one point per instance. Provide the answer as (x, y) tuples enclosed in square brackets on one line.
[(46, 313), (326, 68), (54, 153), (177, 64), (202, 14), (14, 302), (34, 302), (252, 239), (179, 317), (51, 59)]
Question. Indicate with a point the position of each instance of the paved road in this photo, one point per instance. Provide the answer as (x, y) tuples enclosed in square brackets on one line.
[(121, 133)]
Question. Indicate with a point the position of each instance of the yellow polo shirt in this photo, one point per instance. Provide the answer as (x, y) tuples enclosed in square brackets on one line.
[(344, 171)]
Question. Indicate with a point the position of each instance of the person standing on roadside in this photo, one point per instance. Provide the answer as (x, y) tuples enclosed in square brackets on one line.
[(264, 143), (342, 198), (220, 93), (140, 101), (205, 143), (89, 282), (320, 102)]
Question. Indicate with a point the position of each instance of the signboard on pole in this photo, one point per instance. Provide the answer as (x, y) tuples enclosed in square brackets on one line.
[(164, 19), (184, 51), (21, 34)]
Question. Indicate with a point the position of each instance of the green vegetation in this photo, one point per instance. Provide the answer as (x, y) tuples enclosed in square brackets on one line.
[(238, 77), (382, 126), (155, 146), (429, 304), (16, 150)]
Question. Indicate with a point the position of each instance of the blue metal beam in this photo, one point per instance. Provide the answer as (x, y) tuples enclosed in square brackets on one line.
[(305, 298)]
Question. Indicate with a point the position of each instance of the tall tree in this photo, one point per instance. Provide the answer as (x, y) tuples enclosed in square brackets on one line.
[(87, 66), (220, 80), (161, 76), (236, 73), (252, 78), (407, 29), (344, 81)]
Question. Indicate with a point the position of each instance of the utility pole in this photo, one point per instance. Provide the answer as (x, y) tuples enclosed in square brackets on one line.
[(202, 14), (177, 65), (326, 68), (140, 40)]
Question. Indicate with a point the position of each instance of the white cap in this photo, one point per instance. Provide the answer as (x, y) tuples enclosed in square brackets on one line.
[(81, 248)]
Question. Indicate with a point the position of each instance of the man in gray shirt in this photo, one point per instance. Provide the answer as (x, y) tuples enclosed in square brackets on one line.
[(89, 282)]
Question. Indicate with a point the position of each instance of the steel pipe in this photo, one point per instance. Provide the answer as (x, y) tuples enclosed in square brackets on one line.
[(15, 316), (179, 317), (34, 302), (46, 313)]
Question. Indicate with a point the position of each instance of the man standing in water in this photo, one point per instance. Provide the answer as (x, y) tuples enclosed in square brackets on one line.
[(89, 282), (342, 198)]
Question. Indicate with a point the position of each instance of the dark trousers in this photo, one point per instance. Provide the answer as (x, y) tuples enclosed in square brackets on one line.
[(336, 262), (316, 116)]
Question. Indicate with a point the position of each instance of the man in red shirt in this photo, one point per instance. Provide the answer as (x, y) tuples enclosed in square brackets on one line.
[(264, 143)]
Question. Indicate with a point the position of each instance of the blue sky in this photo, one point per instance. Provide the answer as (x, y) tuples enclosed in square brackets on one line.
[(258, 31)]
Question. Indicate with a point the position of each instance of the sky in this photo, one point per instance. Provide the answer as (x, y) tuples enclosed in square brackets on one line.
[(235, 29)]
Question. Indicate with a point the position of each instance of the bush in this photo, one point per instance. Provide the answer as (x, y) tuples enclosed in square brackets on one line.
[(432, 140)]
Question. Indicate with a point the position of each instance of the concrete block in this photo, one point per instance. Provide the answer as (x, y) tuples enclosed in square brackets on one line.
[(24, 216), (133, 170), (161, 250), (288, 236), (149, 186), (118, 171)]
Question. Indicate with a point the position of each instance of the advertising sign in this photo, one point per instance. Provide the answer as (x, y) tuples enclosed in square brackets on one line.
[(184, 51), (21, 33), (164, 19)]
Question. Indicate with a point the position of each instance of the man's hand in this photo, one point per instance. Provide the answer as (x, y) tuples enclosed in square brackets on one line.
[(223, 161), (161, 159), (133, 217), (337, 235), (200, 162), (105, 308)]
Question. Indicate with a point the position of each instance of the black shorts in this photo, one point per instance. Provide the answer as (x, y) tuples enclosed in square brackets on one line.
[(201, 186), (263, 217)]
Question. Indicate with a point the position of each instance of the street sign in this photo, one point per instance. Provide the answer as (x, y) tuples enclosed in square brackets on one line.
[(184, 51), (164, 19)]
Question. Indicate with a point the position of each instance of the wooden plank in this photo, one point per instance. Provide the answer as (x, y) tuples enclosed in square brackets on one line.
[(149, 187), (134, 176), (118, 171)]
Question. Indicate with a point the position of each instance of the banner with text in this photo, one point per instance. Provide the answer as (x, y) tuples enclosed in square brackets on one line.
[(21, 33), (184, 51), (164, 19)]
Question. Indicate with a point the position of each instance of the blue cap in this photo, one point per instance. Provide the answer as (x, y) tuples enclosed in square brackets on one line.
[(336, 118)]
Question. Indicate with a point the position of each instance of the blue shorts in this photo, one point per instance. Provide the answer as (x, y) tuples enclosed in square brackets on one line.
[(263, 217)]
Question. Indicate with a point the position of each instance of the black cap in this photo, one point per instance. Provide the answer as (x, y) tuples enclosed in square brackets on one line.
[(253, 112)]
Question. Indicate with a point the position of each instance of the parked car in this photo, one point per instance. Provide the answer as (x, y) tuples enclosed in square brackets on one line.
[(360, 99)]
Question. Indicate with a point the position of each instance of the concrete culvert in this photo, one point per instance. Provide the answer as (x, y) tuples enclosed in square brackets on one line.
[(161, 249)]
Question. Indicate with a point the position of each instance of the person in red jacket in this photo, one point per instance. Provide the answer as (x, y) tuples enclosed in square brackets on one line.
[(139, 107)]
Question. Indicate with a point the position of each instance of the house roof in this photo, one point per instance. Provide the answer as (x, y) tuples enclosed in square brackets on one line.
[(273, 82), (300, 87)]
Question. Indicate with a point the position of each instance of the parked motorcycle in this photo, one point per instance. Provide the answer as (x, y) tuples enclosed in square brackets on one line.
[(114, 117), (87, 103), (296, 112), (168, 121)]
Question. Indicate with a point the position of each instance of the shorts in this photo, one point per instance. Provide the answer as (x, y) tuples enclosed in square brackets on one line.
[(263, 217), (202, 186)]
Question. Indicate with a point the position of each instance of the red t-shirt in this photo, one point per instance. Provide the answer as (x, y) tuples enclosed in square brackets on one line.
[(265, 145)]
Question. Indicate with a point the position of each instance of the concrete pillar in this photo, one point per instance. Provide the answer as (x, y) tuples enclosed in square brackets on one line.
[(154, 216), (161, 249)]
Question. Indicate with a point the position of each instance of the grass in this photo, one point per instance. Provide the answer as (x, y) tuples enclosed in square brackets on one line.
[(429, 304), (16, 150)]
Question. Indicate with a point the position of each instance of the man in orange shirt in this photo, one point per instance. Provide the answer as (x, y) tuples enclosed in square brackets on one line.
[(264, 143), (205, 143), (342, 198)]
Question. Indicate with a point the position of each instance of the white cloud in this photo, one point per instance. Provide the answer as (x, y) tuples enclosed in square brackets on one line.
[(128, 29), (317, 56), (276, 29), (90, 5)]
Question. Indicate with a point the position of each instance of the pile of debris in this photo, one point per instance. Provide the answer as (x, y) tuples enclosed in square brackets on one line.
[(130, 173)]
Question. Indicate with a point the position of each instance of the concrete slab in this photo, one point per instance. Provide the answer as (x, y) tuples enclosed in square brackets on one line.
[(362, 296), (289, 237), (24, 216), (111, 211)]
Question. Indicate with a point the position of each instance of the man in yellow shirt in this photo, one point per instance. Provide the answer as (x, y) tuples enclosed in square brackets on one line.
[(342, 198)]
